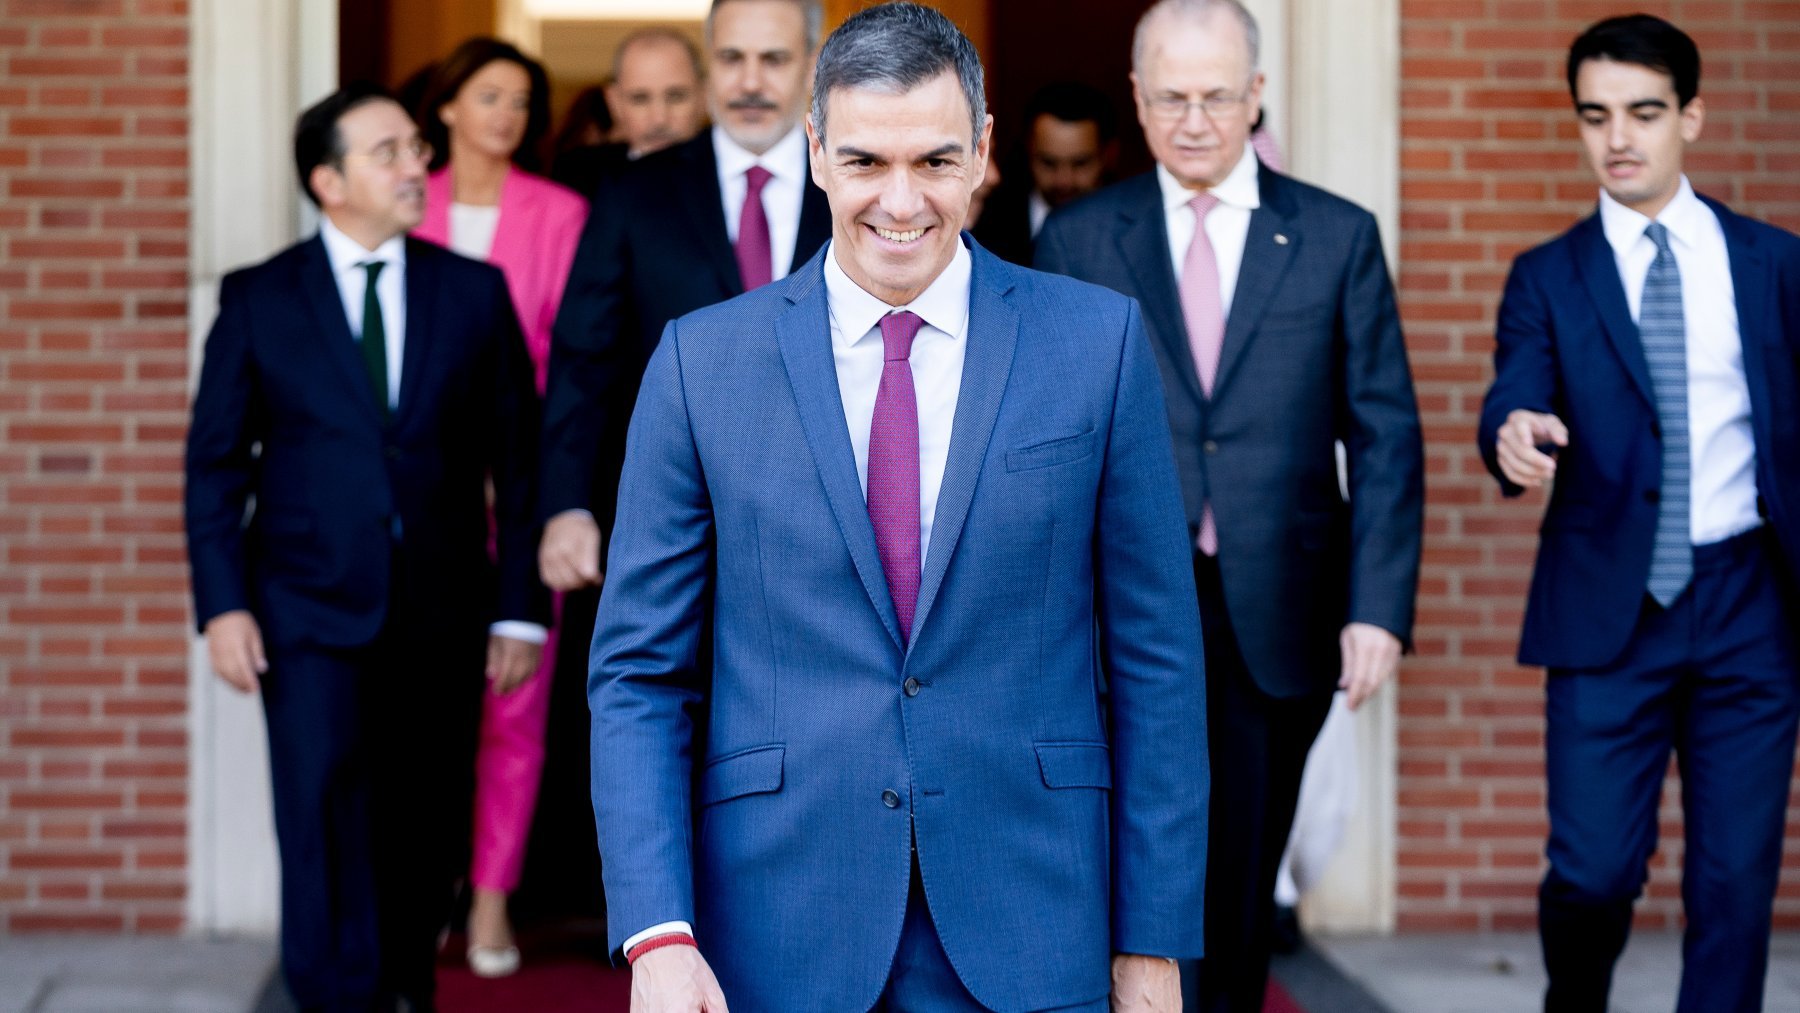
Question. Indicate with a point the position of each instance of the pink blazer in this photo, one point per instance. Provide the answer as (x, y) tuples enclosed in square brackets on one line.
[(534, 244)]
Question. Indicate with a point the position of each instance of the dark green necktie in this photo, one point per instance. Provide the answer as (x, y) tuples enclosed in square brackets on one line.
[(374, 338)]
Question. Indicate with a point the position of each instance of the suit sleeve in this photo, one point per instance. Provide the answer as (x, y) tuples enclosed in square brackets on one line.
[(644, 685), (513, 463), (1150, 646), (1525, 370), (1383, 444), (220, 468), (590, 355)]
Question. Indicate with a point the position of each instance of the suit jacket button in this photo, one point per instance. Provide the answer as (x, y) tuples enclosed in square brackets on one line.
[(890, 798), (911, 686), (1653, 495), (1210, 447)]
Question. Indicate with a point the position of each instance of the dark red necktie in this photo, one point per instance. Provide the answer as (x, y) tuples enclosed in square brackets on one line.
[(894, 467), (753, 256)]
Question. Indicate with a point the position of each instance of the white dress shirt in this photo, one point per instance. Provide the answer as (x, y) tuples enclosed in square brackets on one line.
[(937, 366), (472, 228), (346, 257), (781, 195), (1039, 209), (1722, 445), (1227, 225), (937, 362)]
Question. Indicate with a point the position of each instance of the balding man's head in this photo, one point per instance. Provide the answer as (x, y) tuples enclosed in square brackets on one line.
[(655, 94)]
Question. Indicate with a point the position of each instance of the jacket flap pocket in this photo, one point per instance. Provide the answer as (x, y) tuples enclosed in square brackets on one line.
[(747, 772), (1075, 764), (1052, 452)]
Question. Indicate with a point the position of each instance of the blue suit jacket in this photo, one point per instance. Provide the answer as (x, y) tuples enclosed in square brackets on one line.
[(1051, 831), (343, 500), (1566, 344)]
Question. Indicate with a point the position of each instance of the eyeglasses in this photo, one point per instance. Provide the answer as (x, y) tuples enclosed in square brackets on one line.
[(388, 152), (1170, 107)]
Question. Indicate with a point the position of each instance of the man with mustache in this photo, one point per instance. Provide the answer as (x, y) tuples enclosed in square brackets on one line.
[(1647, 368), (361, 389), (690, 226)]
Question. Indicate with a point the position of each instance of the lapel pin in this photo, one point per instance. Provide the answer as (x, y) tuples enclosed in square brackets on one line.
[(1280, 240)]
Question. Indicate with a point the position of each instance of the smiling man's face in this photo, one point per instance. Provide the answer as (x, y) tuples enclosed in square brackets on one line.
[(1635, 131), (898, 171)]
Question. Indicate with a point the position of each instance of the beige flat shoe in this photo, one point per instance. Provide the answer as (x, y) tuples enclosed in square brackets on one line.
[(493, 961)]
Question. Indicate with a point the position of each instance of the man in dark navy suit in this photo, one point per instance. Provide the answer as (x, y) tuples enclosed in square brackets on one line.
[(1274, 325), (685, 228), (359, 392), (1647, 361)]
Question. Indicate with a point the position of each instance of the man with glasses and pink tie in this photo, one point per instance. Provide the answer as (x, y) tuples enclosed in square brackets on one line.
[(359, 391), (1274, 324)]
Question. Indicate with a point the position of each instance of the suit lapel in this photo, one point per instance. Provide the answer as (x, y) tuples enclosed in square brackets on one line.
[(1268, 250), (804, 335), (1754, 294), (421, 306), (1143, 241), (706, 218), (327, 308), (1599, 271), (987, 364)]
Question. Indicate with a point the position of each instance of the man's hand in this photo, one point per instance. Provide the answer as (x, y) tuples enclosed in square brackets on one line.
[(1145, 984), (510, 661), (234, 645), (1516, 447), (1370, 656), (569, 555), (674, 979)]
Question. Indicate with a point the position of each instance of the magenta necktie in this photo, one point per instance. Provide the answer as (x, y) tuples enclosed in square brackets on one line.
[(894, 467), (753, 255), (1203, 307)]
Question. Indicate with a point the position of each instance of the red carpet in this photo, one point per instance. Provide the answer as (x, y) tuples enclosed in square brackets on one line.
[(557, 977)]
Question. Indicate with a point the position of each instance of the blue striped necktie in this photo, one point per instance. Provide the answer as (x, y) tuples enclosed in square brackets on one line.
[(1663, 331)]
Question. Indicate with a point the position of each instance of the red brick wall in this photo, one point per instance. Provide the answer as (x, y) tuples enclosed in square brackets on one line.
[(93, 381), (1490, 166)]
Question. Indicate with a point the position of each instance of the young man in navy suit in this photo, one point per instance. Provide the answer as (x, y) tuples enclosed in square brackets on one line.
[(1648, 361), (361, 390), (884, 527)]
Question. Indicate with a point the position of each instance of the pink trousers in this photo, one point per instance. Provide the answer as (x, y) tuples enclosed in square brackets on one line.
[(509, 764)]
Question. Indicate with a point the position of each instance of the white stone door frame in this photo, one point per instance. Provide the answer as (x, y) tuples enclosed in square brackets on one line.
[(253, 67)]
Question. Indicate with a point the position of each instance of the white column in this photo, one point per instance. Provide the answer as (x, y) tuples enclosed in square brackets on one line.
[(254, 66), (1345, 136)]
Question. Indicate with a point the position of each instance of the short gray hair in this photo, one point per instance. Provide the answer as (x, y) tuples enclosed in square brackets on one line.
[(813, 11), (895, 48), (1194, 10)]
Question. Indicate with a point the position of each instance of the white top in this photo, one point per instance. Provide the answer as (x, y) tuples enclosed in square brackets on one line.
[(346, 257), (787, 165), (1227, 225), (1039, 209), (937, 365), (1722, 445), (472, 228)]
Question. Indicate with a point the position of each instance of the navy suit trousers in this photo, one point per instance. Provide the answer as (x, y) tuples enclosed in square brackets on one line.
[(1713, 678)]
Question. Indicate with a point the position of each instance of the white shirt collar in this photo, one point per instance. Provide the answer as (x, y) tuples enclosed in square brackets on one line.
[(944, 304), (1685, 217), (346, 253), (1239, 189), (785, 160)]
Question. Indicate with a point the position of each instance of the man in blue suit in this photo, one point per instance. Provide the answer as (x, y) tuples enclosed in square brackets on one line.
[(1648, 360), (361, 389), (885, 527)]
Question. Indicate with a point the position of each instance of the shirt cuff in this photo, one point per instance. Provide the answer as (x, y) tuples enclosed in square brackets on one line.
[(662, 929), (518, 629)]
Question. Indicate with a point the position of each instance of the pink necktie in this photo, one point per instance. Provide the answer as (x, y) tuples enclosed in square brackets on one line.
[(894, 467), (1203, 308), (753, 255)]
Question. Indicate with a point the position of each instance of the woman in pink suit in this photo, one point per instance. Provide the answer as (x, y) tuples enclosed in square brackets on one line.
[(485, 111)]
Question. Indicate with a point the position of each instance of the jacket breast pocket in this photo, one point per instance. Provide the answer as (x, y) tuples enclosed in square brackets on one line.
[(1075, 764), (1050, 453), (753, 771)]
